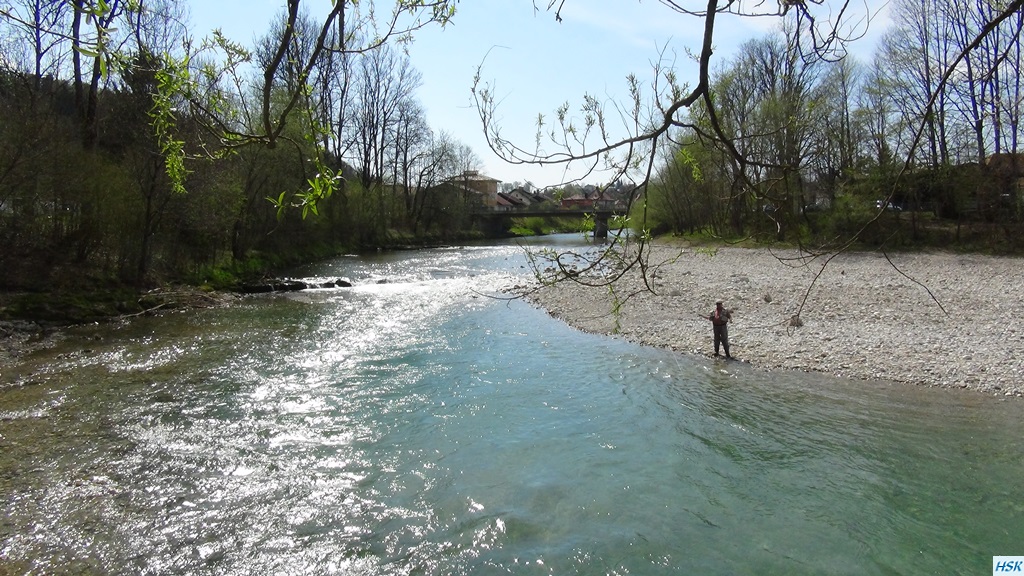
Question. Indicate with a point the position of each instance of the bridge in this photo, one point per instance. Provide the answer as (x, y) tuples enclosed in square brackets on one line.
[(492, 220)]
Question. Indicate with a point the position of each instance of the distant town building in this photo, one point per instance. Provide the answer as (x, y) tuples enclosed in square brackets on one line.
[(477, 188)]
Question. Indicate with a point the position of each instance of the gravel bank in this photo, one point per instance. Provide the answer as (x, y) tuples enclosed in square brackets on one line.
[(863, 317)]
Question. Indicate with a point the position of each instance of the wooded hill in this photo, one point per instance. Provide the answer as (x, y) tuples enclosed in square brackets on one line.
[(128, 158)]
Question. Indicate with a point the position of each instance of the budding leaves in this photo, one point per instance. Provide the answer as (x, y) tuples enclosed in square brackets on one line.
[(321, 187)]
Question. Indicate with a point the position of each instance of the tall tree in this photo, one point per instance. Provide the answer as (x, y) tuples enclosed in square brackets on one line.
[(40, 26), (837, 143), (156, 28), (92, 35), (875, 116), (304, 53)]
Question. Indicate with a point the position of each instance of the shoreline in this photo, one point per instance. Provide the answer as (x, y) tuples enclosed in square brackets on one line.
[(22, 337), (934, 319), (928, 318)]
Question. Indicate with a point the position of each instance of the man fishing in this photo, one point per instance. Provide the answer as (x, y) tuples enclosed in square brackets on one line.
[(720, 318)]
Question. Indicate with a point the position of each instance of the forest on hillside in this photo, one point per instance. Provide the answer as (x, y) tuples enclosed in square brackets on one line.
[(132, 153)]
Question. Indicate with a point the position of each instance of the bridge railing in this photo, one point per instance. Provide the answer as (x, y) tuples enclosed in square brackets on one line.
[(550, 209)]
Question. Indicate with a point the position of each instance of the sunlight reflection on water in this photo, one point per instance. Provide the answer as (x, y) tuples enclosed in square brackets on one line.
[(417, 426)]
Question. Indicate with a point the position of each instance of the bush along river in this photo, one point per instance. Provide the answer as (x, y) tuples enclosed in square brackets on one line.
[(413, 424)]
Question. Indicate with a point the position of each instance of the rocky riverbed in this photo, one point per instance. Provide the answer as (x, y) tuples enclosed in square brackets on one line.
[(21, 337), (934, 319)]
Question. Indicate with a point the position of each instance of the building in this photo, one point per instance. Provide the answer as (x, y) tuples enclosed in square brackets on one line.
[(476, 189)]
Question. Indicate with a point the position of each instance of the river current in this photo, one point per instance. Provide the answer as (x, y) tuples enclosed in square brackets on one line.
[(417, 424)]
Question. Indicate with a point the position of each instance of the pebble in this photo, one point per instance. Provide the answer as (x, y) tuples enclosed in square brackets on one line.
[(861, 319)]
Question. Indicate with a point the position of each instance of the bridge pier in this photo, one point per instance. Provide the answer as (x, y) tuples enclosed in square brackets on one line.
[(600, 226), (492, 227)]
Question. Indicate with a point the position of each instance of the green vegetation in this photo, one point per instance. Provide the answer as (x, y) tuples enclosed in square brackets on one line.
[(835, 154), (539, 226), (856, 216), (132, 158), (155, 161)]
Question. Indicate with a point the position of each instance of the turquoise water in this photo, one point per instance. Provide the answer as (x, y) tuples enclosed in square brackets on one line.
[(414, 424)]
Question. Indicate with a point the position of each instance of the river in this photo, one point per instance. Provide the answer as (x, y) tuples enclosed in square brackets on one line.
[(416, 424)]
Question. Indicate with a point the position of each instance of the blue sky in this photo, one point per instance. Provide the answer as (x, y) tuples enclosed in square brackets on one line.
[(534, 63)]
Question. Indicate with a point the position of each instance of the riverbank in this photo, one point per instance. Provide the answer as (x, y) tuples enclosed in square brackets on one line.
[(22, 336), (933, 319)]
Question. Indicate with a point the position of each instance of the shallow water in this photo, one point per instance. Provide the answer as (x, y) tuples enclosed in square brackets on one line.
[(413, 424)]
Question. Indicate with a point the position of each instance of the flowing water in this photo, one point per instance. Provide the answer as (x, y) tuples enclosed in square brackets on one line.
[(413, 424)]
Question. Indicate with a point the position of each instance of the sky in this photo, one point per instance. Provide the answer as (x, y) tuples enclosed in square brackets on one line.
[(533, 63)]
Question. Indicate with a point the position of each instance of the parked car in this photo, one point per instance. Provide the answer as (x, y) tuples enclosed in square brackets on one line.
[(882, 204)]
